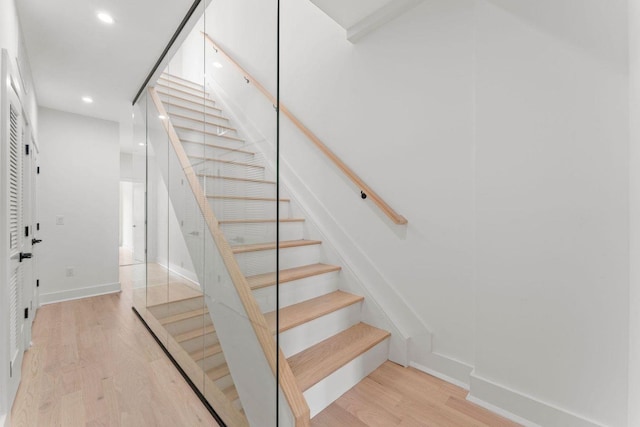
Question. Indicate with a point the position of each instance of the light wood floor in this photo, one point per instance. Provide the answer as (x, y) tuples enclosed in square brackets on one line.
[(396, 396), (93, 363)]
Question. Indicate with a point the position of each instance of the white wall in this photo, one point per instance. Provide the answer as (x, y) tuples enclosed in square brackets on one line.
[(552, 209), (80, 181), (500, 129), (10, 39)]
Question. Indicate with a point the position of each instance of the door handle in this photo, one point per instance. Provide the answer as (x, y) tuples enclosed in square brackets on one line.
[(24, 255), (34, 241)]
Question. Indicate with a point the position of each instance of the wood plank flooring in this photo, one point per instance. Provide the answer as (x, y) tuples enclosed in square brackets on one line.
[(93, 363), (396, 396)]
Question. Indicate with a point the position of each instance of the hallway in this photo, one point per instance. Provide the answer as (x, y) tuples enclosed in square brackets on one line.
[(93, 363)]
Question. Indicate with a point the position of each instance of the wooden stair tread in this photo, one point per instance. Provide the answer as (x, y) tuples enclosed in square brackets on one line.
[(239, 249), (297, 314), (183, 316), (173, 76), (258, 221), (212, 350), (218, 372), (200, 93), (183, 98), (319, 361), (230, 162), (268, 279), (222, 147), (231, 393), (182, 116), (208, 133), (173, 301), (196, 333), (195, 110), (168, 80), (233, 178)]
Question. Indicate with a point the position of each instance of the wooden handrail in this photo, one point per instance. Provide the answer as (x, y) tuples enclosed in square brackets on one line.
[(388, 210), (287, 381)]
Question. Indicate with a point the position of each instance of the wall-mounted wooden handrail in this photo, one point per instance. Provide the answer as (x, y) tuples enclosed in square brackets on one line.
[(366, 190), (274, 355)]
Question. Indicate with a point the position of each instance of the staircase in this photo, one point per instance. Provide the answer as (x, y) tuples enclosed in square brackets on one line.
[(326, 345)]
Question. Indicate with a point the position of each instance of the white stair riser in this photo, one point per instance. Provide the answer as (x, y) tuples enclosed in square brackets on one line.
[(296, 291), (224, 382), (196, 135), (176, 102), (239, 188), (202, 150), (166, 310), (200, 113), (249, 233), (259, 262), (192, 88), (196, 123), (211, 362), (197, 343), (335, 385), (247, 209), (211, 167), (206, 127), (310, 333), (171, 95), (167, 79), (188, 324)]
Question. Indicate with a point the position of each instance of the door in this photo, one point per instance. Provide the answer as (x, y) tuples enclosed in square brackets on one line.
[(29, 230), (16, 239)]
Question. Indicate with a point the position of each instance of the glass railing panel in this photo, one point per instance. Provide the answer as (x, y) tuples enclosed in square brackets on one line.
[(138, 271), (213, 214)]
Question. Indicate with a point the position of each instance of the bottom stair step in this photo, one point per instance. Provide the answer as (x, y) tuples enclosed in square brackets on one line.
[(316, 363)]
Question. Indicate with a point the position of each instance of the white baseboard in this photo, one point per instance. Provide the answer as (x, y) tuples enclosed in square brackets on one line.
[(440, 375), (182, 272), (73, 294), (523, 409), (422, 357)]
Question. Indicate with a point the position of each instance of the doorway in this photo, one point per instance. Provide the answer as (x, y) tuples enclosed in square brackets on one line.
[(131, 223)]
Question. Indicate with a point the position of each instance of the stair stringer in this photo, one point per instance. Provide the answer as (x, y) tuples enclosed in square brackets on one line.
[(249, 367), (384, 307)]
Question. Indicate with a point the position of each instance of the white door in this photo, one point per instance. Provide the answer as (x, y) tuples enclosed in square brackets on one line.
[(35, 239), (28, 182), (138, 204), (16, 240)]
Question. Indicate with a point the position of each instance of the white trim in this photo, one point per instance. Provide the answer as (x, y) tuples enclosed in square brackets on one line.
[(422, 356), (506, 414), (440, 375), (182, 272), (5, 421), (73, 294), (531, 412)]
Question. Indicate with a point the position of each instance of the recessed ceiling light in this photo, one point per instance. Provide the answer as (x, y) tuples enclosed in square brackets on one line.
[(217, 65), (161, 117), (87, 99), (105, 17), (141, 144)]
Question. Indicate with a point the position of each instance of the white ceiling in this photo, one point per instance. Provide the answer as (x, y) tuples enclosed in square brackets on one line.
[(73, 54)]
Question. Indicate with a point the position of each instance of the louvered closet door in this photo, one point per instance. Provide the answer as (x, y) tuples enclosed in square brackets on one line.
[(16, 241)]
